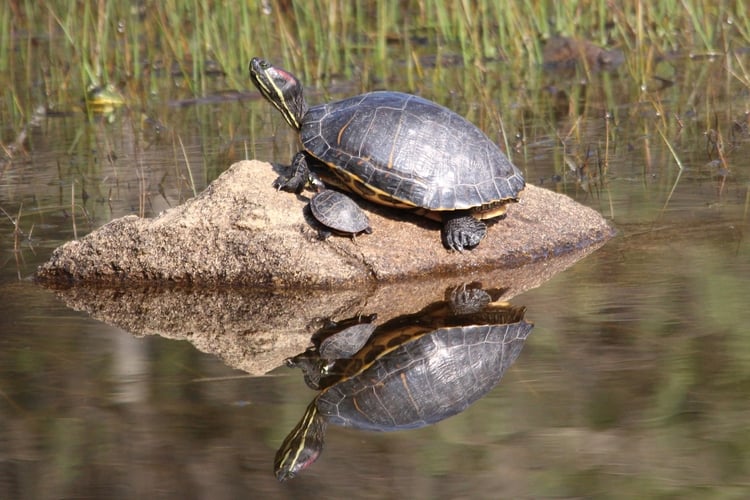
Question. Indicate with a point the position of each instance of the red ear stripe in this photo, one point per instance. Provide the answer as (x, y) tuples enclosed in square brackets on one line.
[(285, 74)]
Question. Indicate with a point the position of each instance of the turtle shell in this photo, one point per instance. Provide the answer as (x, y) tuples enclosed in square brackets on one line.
[(402, 150), (399, 384), (339, 213)]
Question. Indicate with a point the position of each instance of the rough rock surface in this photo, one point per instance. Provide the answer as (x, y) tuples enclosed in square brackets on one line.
[(240, 231)]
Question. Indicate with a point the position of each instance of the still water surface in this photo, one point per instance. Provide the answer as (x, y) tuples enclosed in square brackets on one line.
[(634, 382)]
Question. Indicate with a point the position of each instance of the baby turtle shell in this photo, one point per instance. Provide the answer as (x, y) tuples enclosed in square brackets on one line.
[(338, 213)]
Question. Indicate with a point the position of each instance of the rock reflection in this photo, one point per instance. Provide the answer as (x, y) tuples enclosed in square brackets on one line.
[(255, 329), (409, 372)]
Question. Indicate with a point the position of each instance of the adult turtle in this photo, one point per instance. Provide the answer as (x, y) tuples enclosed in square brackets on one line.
[(412, 371), (338, 214), (398, 150)]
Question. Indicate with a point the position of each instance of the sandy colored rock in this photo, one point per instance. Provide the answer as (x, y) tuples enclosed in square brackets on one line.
[(240, 231)]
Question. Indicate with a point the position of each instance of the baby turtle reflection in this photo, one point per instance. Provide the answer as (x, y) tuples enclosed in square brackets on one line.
[(410, 372)]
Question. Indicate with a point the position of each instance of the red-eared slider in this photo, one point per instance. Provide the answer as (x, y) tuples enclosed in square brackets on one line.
[(398, 150), (412, 371), (339, 214)]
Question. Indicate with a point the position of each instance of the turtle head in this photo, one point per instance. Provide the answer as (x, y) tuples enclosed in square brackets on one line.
[(302, 446), (281, 88)]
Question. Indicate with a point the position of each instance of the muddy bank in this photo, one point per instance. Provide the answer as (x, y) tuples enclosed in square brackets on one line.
[(240, 231)]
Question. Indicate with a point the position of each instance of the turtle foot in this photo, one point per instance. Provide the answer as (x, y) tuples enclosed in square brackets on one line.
[(462, 232), (468, 299), (289, 184), (299, 178)]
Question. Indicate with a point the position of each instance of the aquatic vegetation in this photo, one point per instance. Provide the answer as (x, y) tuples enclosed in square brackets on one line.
[(53, 47)]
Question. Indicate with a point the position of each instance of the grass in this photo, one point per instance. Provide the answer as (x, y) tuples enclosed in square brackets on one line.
[(100, 41), (53, 50)]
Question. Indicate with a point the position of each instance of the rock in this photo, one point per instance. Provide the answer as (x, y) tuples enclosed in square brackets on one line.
[(561, 53), (240, 231)]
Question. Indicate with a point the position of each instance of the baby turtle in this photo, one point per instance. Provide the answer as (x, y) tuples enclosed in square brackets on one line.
[(339, 214)]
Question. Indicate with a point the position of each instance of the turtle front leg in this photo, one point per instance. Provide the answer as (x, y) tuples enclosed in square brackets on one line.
[(461, 231), (300, 177)]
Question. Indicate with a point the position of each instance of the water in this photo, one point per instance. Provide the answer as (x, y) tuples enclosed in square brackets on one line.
[(634, 381)]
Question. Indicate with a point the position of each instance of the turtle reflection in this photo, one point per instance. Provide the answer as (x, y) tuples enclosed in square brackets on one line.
[(409, 372)]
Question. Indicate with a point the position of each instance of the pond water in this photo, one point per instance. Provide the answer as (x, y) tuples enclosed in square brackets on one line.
[(634, 381)]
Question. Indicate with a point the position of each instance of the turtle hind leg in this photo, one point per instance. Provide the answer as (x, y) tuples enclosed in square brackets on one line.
[(301, 176), (462, 231), (324, 234)]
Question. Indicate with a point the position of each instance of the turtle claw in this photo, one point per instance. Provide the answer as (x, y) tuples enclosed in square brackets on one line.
[(299, 177), (463, 232), (289, 184)]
